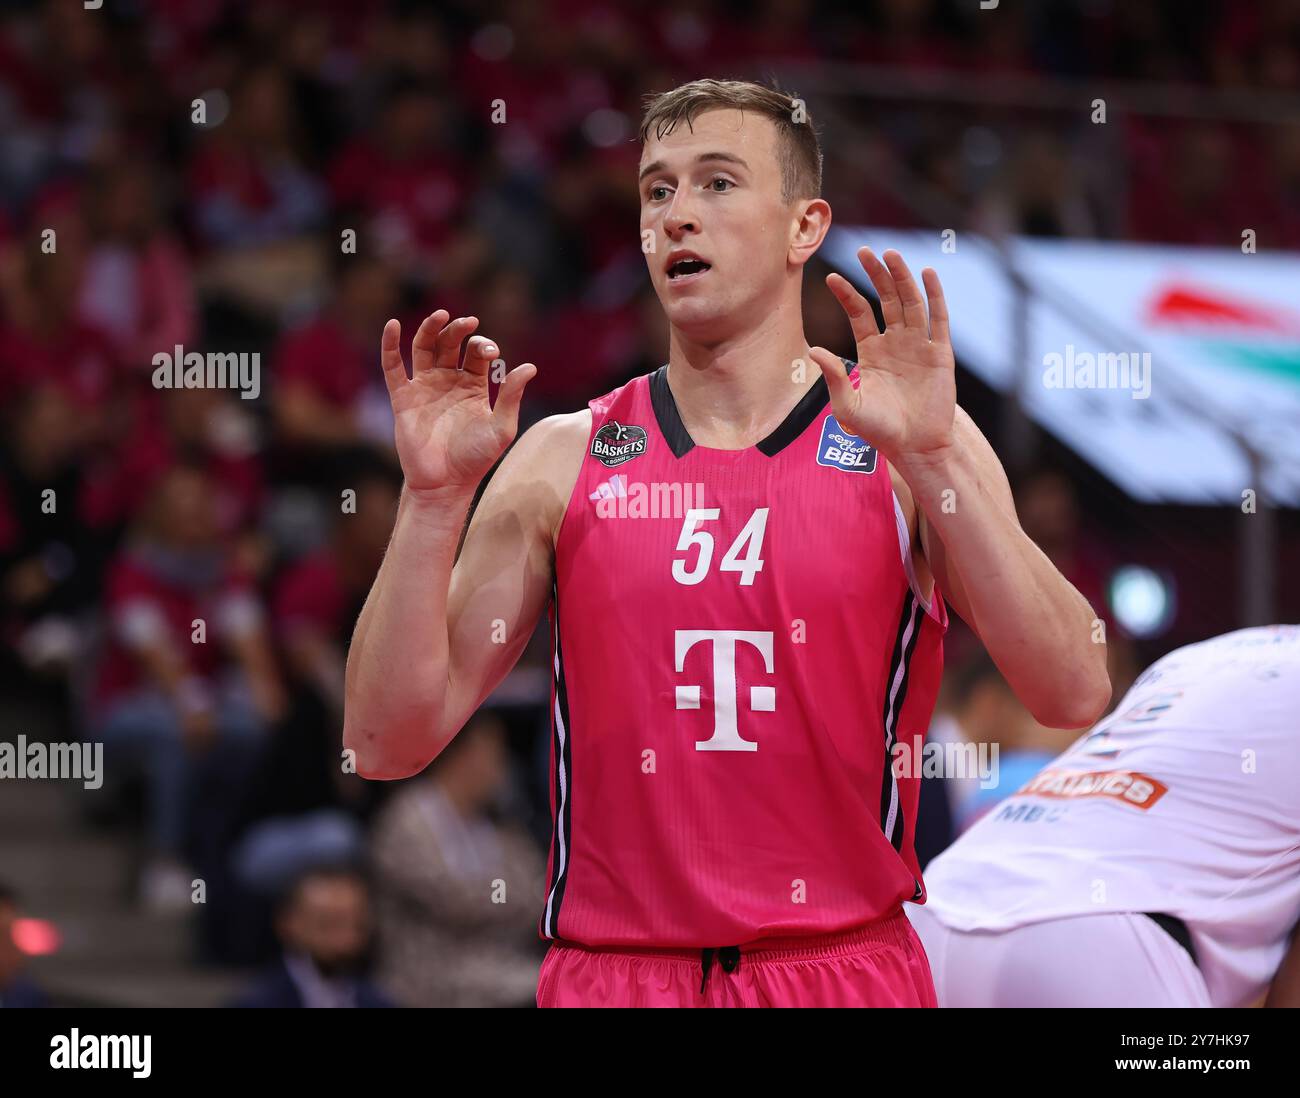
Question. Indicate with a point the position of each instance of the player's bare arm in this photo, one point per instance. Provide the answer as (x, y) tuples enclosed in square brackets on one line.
[(436, 635), (502, 581), (1036, 626)]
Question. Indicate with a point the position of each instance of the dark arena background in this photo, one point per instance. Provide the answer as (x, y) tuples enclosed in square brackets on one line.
[(1110, 192)]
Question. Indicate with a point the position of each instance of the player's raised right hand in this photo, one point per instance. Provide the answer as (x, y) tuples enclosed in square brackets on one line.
[(448, 435)]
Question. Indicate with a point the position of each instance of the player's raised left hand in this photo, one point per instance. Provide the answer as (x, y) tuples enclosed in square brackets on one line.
[(907, 397)]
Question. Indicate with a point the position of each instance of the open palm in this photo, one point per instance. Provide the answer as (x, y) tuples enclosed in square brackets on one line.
[(447, 432), (906, 397)]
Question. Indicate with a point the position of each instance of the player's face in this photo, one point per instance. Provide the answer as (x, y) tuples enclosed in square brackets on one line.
[(711, 209)]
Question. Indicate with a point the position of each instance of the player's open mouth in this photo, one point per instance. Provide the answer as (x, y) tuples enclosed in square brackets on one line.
[(686, 268)]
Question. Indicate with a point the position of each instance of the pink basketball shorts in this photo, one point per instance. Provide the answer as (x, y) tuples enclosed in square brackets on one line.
[(879, 965)]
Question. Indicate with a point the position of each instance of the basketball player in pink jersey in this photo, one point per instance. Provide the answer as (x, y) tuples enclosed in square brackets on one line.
[(743, 558)]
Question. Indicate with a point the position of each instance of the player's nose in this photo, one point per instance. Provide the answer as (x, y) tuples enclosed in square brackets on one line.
[(679, 220)]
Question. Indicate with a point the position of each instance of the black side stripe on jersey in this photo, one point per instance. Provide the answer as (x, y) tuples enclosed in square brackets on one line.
[(891, 812), (563, 824)]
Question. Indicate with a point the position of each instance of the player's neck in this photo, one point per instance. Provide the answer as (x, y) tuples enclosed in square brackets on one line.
[(733, 393)]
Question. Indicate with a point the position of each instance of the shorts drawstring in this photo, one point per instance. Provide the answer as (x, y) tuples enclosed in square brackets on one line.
[(728, 957)]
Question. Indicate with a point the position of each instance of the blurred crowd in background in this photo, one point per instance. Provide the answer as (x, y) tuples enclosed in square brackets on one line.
[(343, 166)]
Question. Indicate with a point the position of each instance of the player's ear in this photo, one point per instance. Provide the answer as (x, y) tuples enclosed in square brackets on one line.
[(812, 221)]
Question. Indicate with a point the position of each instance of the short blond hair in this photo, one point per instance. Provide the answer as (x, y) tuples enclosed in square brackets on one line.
[(798, 149)]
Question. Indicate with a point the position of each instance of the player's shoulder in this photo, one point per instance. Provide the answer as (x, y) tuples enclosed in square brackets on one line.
[(554, 439), (551, 452)]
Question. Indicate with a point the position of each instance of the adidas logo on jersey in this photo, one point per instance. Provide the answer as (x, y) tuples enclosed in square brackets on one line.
[(841, 450), (614, 488)]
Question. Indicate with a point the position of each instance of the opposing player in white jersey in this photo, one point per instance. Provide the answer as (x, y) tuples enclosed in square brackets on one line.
[(1155, 863)]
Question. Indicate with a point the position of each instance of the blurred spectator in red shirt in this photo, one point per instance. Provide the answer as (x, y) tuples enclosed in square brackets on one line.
[(202, 427), (402, 180), (304, 809), (43, 337), (328, 390), (137, 286), (539, 77), (579, 348), (187, 666), (317, 598), (249, 184)]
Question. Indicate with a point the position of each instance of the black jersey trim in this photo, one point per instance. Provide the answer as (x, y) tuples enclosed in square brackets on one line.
[(803, 413), (670, 420), (790, 428)]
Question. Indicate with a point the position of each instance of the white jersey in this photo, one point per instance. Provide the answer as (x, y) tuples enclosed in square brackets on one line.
[(1185, 801)]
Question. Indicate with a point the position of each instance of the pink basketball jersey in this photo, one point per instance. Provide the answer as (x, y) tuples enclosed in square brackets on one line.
[(737, 644)]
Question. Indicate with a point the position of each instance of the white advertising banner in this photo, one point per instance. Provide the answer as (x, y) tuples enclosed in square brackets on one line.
[(1162, 366)]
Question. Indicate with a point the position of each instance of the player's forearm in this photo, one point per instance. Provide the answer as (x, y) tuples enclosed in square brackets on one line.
[(1036, 626), (396, 679)]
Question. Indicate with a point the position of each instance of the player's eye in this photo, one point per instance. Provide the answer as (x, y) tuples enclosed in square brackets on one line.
[(658, 192), (726, 184)]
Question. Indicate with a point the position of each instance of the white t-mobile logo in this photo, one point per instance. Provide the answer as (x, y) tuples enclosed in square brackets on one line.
[(762, 699)]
